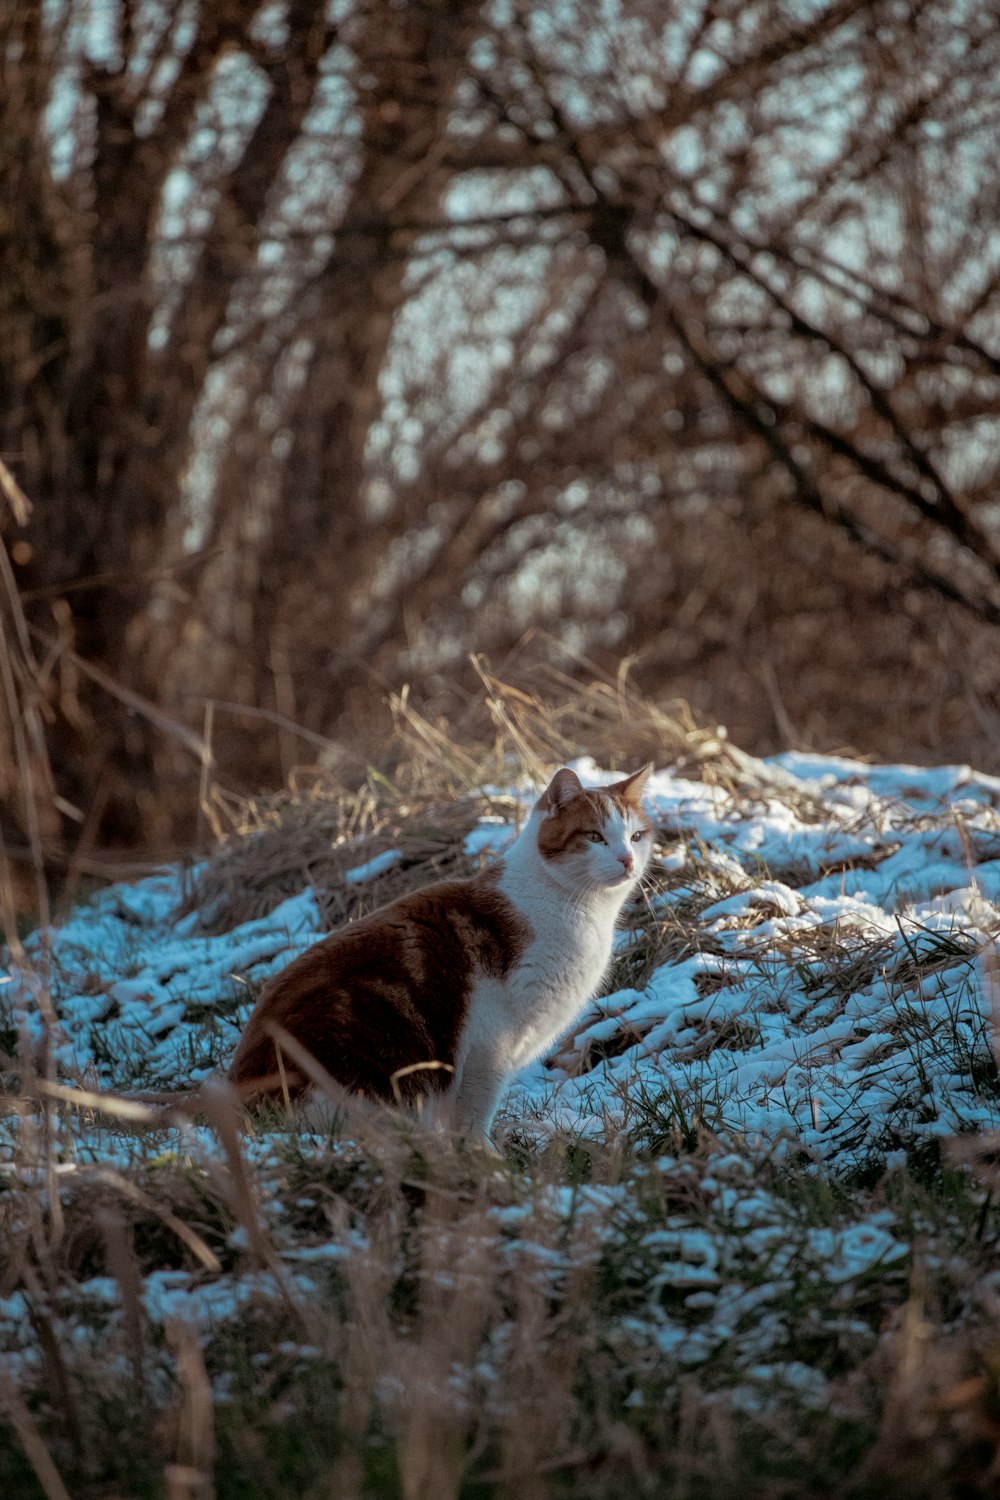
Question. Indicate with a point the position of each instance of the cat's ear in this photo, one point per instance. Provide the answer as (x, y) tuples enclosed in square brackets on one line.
[(564, 785), (631, 789)]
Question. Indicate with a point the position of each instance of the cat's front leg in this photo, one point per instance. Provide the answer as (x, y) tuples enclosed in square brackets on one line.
[(477, 1091)]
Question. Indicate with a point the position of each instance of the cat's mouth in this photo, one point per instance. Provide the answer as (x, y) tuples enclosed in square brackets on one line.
[(610, 882)]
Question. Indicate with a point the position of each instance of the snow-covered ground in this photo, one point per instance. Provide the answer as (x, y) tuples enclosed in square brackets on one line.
[(843, 1004), (811, 967), (836, 999)]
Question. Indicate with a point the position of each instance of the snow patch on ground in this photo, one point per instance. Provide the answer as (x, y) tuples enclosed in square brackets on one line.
[(833, 1009)]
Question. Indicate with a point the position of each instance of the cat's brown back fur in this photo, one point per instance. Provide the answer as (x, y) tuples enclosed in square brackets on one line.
[(383, 994)]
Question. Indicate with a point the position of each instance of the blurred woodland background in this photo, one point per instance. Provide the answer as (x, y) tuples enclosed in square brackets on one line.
[(341, 341)]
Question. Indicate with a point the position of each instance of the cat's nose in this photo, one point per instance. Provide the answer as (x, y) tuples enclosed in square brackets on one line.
[(627, 861)]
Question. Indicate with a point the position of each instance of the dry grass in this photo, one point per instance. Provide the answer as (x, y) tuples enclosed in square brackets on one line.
[(400, 1316), (425, 792), (309, 838), (381, 1313)]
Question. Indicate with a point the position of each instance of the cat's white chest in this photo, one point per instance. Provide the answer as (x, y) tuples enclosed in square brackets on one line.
[(552, 1002), (559, 971), (566, 877), (568, 960)]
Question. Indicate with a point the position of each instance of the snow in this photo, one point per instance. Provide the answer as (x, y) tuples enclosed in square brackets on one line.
[(490, 836), (845, 1065), (140, 998), (373, 867), (835, 1011)]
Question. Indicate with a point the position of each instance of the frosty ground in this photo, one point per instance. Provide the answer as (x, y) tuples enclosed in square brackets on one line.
[(743, 1234)]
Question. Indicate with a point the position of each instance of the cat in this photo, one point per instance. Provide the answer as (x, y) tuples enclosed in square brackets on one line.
[(436, 999)]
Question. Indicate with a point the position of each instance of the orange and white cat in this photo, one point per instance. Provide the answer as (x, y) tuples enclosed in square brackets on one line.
[(441, 995)]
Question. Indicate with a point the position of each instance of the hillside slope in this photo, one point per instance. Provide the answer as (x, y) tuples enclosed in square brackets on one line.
[(735, 1171)]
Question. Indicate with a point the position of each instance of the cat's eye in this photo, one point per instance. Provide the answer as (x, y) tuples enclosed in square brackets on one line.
[(594, 837), (638, 836)]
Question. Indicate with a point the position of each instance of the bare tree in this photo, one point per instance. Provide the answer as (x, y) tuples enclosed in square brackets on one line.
[(340, 342)]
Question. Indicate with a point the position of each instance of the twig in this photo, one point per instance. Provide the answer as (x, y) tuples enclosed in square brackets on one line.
[(171, 726), (32, 1442), (18, 500)]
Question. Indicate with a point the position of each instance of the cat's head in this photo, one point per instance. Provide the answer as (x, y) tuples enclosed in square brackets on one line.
[(591, 837)]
